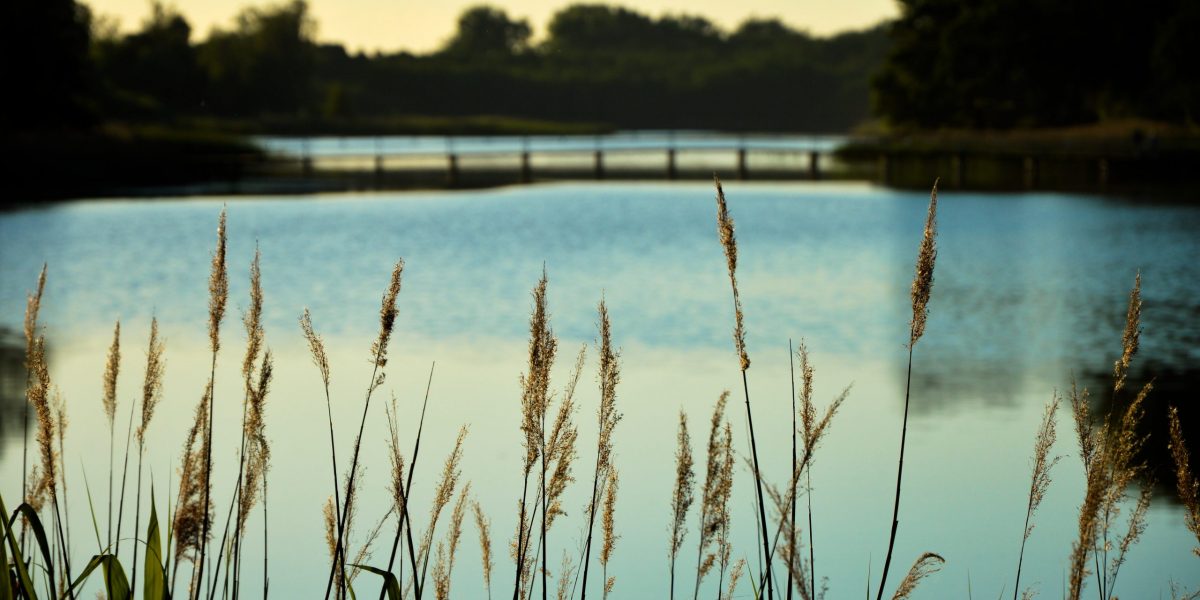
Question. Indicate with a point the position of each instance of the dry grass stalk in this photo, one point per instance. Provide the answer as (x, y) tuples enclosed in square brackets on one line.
[(387, 322), (725, 233), (683, 495), (1040, 480), (922, 289), (1129, 338), (608, 526), (38, 396), (724, 543), (218, 296), (714, 496), (928, 564), (1109, 456), (564, 576), (33, 386), (1185, 483), (189, 512), (735, 577), (258, 451), (112, 366), (152, 384), (484, 525), (316, 346), (218, 288), (387, 316), (327, 512), (729, 243), (444, 568), (922, 285), (442, 496), (560, 444), (607, 418)]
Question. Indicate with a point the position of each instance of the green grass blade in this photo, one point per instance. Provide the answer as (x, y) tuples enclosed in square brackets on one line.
[(114, 578), (18, 560), (92, 508), (39, 533), (389, 580), (154, 587), (6, 592)]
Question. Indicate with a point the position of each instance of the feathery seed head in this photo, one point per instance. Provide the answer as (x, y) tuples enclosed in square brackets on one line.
[(485, 542), (218, 288), (316, 346), (610, 503), (681, 499), (1129, 339), (252, 320), (729, 243), (152, 384), (922, 285), (112, 367), (928, 564), (387, 316)]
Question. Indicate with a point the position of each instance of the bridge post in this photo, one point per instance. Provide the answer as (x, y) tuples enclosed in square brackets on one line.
[(814, 169), (598, 164), (526, 168), (671, 174), (452, 170), (742, 171)]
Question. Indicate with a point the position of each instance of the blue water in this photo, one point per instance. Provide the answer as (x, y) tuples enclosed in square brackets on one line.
[(1029, 290)]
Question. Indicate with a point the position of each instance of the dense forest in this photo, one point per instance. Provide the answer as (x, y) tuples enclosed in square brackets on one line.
[(597, 63), (995, 64)]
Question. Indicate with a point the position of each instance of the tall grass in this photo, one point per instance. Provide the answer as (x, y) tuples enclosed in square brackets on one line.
[(1111, 518)]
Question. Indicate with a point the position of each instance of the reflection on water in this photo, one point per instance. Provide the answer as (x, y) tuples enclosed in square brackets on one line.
[(1029, 289)]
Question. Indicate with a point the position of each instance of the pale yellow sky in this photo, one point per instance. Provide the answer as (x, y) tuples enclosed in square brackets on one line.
[(423, 25)]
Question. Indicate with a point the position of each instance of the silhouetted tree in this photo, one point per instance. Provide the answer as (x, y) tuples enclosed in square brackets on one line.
[(45, 65), (486, 31)]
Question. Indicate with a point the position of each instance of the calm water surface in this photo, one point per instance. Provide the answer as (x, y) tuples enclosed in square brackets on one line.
[(1029, 290)]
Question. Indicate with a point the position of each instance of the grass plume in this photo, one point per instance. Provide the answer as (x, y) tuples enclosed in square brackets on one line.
[(725, 234), (926, 565), (218, 296), (922, 289), (1185, 481), (714, 496), (112, 368), (683, 495), (1040, 479), (607, 418), (608, 526), (484, 525)]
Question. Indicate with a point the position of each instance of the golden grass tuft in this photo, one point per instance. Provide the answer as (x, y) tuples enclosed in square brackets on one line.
[(387, 315), (1185, 483), (1129, 338), (683, 494), (729, 243), (485, 545), (190, 510), (714, 496), (928, 564), (218, 288), (922, 285), (1040, 479), (152, 384), (112, 367)]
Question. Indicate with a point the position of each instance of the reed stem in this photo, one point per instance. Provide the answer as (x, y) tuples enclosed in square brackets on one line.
[(899, 477)]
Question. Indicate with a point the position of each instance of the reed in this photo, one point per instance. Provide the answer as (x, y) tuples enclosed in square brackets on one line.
[(683, 495), (926, 565), (442, 496), (714, 496), (193, 501), (725, 233), (608, 525), (922, 288), (151, 394), (387, 322), (535, 385), (607, 418), (218, 295), (484, 525), (1109, 454), (1040, 480), (1185, 483), (112, 368), (400, 484), (33, 305)]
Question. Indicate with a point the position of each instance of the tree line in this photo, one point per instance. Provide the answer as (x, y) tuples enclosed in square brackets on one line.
[(596, 63), (993, 64)]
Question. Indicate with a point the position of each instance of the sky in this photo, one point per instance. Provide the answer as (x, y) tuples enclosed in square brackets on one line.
[(424, 25)]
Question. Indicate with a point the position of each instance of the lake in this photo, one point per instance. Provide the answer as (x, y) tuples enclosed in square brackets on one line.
[(1030, 290)]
